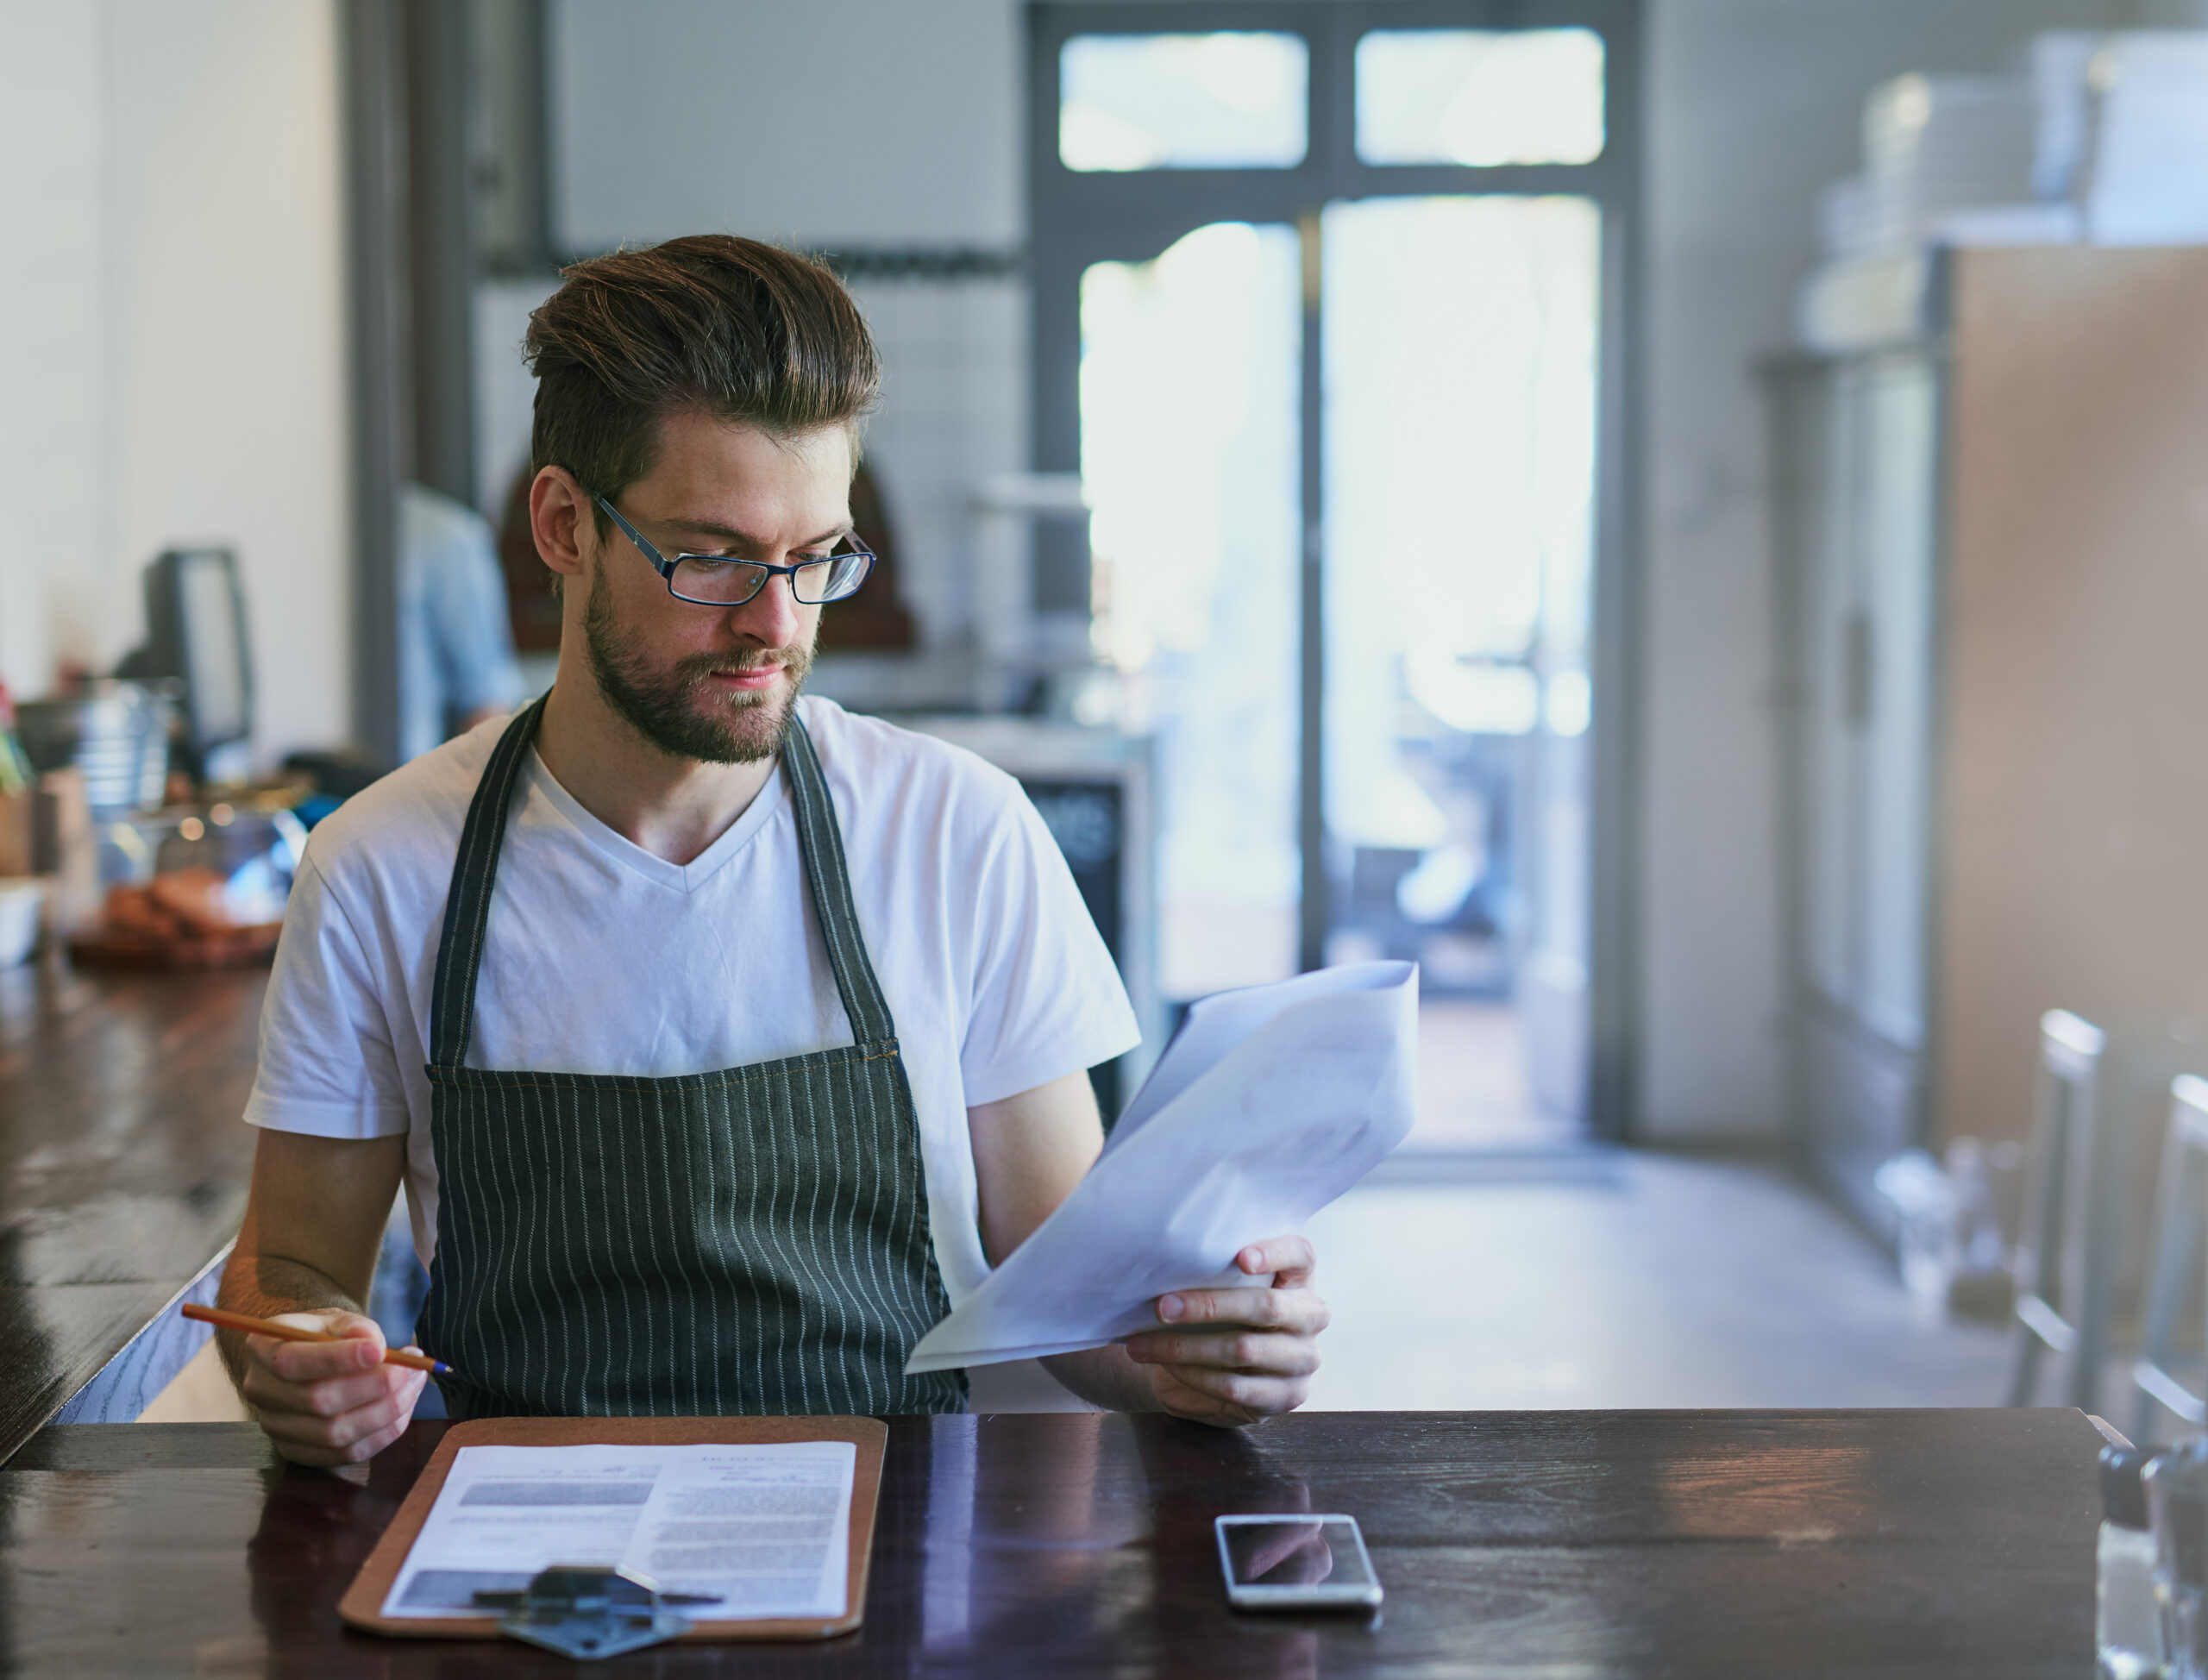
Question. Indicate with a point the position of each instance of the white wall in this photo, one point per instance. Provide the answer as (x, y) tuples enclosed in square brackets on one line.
[(53, 511), (828, 123), (173, 333)]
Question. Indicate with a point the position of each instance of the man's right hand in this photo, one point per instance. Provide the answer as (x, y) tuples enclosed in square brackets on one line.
[(328, 1403)]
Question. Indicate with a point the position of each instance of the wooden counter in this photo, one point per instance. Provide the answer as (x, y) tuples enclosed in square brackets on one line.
[(123, 1169), (1677, 1544)]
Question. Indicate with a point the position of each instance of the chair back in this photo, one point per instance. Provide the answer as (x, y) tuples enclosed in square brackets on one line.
[(2174, 1251), (2061, 1279)]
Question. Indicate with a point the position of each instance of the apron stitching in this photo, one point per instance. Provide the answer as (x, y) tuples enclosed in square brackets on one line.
[(846, 1261)]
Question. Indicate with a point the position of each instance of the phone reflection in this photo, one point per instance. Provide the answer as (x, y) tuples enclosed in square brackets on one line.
[(1279, 1554), (1094, 1532)]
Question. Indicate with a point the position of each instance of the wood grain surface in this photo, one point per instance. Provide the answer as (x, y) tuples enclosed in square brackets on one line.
[(1894, 1544), (123, 1163)]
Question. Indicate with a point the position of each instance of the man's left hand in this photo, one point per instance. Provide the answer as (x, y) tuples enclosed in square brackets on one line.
[(1235, 1356)]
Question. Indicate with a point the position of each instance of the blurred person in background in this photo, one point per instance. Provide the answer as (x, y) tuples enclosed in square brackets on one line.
[(456, 666)]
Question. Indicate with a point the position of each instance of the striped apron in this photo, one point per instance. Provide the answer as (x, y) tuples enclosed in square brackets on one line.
[(754, 1240)]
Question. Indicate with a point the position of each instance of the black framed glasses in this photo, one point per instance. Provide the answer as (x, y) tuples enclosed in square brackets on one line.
[(723, 580)]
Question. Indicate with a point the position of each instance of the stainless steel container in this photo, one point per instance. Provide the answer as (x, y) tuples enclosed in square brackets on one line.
[(116, 732)]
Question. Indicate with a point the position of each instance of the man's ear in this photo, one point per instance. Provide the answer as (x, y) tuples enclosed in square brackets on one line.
[(560, 518)]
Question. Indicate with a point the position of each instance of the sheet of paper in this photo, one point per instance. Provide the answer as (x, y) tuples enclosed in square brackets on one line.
[(753, 1530), (1268, 1104)]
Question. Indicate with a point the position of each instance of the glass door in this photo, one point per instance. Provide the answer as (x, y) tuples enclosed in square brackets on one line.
[(1461, 385), (1327, 319), (1189, 370)]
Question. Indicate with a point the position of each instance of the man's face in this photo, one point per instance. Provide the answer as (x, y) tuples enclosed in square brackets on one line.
[(711, 683)]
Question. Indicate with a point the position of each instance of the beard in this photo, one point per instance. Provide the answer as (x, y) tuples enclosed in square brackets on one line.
[(681, 710)]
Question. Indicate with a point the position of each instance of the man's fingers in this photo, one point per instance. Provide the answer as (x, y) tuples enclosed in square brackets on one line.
[(1300, 1312), (1260, 1351), (332, 1402), (328, 1407), (1291, 1259), (1226, 1397), (331, 1397), (347, 1436), (361, 1348), (319, 1457), (328, 1397), (315, 1362)]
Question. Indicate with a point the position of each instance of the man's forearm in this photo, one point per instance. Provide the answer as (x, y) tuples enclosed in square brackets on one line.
[(262, 1287), (1106, 1376)]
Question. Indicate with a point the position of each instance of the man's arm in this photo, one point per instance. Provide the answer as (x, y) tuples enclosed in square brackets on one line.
[(1225, 1356), (305, 1254)]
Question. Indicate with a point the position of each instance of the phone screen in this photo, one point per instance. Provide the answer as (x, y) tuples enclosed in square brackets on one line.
[(1295, 1551)]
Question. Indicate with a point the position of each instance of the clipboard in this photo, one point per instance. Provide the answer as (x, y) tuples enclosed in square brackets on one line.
[(363, 1605)]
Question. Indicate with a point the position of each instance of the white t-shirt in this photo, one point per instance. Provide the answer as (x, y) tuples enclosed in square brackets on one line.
[(601, 958)]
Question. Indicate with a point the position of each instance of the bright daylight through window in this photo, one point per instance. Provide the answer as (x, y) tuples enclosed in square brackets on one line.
[(1480, 98), (1225, 100)]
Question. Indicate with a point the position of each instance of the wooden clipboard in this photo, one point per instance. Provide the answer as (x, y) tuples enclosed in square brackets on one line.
[(363, 1605)]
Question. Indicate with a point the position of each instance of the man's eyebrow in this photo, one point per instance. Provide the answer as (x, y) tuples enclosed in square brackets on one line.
[(729, 534)]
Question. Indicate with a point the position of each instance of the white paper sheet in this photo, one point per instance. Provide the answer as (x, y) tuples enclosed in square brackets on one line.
[(759, 1531), (1268, 1104)]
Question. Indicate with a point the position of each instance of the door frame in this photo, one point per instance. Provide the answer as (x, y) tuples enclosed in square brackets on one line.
[(1077, 219)]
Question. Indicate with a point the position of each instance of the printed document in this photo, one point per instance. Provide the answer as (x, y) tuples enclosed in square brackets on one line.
[(743, 1532), (1269, 1103)]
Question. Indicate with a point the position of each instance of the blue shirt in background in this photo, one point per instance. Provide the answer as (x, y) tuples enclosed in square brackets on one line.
[(455, 643)]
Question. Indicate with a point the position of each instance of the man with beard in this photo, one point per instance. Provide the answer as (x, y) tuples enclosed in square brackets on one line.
[(721, 1040)]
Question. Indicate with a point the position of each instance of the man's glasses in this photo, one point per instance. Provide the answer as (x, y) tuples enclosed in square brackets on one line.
[(719, 581)]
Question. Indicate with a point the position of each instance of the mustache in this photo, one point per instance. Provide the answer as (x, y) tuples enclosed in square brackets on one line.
[(696, 666)]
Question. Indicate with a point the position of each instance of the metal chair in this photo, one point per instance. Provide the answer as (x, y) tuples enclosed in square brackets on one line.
[(2173, 1257), (2061, 1266)]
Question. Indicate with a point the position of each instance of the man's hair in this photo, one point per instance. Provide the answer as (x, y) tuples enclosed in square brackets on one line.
[(713, 324)]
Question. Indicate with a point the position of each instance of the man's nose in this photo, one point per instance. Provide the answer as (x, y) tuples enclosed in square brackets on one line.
[(773, 617)]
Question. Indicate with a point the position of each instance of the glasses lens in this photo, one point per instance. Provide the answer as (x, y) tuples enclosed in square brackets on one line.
[(722, 582), (832, 579)]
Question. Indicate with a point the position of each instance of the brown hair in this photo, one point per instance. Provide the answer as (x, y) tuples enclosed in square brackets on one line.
[(728, 327)]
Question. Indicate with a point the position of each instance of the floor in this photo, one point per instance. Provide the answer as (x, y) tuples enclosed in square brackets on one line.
[(1472, 1086), (1590, 1279), (200, 1393)]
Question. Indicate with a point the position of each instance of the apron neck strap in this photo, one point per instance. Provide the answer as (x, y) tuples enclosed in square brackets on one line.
[(467, 903), (820, 842)]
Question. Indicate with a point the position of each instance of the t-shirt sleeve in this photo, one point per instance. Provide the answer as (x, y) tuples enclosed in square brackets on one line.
[(327, 1064), (1047, 1000)]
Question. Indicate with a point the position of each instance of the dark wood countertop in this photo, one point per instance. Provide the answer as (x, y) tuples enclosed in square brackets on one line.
[(123, 1163), (1703, 1544)]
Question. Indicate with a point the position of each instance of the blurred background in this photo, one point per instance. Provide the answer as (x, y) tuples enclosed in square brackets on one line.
[(1686, 517)]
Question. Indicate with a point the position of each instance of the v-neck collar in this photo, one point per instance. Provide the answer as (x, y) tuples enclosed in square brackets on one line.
[(680, 877)]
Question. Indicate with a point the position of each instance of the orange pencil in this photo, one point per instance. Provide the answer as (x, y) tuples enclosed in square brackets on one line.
[(291, 1332)]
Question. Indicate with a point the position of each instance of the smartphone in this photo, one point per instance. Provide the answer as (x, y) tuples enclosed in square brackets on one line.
[(1295, 1562)]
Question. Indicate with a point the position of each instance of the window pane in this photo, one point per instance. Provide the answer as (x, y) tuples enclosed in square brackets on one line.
[(1461, 376), (1190, 370), (1238, 101), (1479, 96)]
